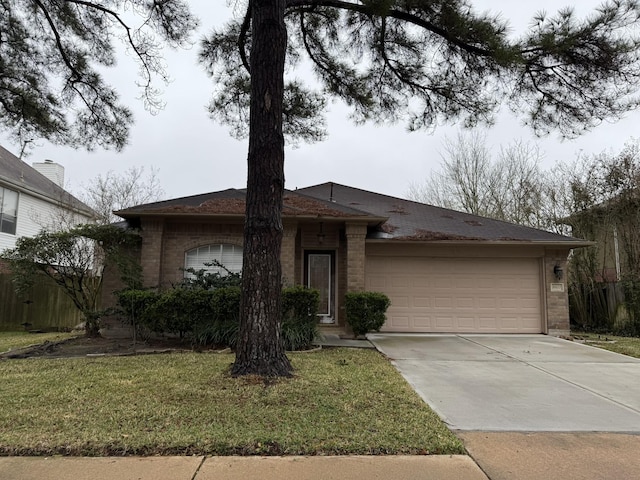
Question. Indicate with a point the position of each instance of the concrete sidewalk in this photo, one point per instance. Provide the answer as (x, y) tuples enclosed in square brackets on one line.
[(543, 456), (436, 467)]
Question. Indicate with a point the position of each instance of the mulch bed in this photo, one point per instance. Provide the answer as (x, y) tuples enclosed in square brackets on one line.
[(84, 346)]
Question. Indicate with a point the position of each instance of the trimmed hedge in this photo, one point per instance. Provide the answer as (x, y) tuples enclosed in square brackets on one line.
[(366, 311), (211, 317)]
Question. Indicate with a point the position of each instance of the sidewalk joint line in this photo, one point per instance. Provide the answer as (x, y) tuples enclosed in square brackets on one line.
[(195, 474)]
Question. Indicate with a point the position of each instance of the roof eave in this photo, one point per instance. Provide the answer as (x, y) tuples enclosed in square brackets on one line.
[(368, 219), (475, 242), (45, 197)]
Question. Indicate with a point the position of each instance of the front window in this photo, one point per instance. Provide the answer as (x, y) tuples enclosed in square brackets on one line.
[(201, 258), (8, 210)]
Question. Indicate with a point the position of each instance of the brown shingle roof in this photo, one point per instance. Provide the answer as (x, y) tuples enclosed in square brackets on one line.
[(408, 220), (388, 217), (231, 202)]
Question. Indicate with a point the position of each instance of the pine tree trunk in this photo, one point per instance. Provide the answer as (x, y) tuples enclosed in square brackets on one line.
[(260, 349)]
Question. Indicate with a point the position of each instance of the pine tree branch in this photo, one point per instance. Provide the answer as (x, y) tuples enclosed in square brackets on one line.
[(127, 29), (242, 38), (393, 13), (60, 47)]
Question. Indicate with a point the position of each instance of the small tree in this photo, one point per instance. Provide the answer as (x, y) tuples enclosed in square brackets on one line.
[(74, 259)]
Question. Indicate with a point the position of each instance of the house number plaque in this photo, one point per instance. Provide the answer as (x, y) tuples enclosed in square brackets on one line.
[(557, 287)]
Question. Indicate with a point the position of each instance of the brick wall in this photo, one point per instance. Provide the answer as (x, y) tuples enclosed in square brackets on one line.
[(341, 265), (112, 282), (355, 234), (288, 254), (151, 251), (557, 297)]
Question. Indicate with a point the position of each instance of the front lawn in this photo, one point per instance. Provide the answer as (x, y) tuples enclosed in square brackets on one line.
[(341, 401), (13, 340), (625, 345)]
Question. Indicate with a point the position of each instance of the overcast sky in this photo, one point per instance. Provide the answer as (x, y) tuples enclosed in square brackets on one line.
[(195, 155)]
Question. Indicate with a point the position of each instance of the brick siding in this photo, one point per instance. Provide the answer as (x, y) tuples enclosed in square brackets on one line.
[(356, 234), (557, 303)]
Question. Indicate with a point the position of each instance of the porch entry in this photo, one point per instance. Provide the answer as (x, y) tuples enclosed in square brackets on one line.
[(320, 274)]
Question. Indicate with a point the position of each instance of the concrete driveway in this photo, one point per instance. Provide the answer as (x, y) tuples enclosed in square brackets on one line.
[(519, 383)]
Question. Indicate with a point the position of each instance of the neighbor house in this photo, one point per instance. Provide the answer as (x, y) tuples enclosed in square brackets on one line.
[(33, 198), (614, 226), (444, 271)]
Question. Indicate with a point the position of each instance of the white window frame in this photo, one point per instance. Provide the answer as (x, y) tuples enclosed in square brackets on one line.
[(11, 209), (228, 254)]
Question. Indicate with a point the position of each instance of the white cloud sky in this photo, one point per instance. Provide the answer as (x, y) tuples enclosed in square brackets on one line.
[(195, 155)]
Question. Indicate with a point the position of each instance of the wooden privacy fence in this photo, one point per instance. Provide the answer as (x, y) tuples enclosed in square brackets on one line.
[(44, 307)]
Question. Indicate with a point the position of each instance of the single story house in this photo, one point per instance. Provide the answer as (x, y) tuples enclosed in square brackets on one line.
[(444, 271)]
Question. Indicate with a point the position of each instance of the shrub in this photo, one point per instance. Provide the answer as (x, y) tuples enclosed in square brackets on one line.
[(588, 306), (224, 322), (211, 317), (212, 280), (365, 311), (298, 336), (226, 304), (140, 308), (185, 308), (220, 333), (301, 303), (299, 317)]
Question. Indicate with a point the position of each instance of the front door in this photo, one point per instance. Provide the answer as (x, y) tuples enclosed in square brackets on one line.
[(321, 276)]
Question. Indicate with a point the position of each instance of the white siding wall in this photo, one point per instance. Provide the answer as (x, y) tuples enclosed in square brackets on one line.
[(34, 215)]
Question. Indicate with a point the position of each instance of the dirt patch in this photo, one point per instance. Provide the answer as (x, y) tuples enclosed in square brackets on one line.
[(83, 346)]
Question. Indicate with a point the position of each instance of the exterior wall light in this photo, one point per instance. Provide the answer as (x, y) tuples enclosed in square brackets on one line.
[(558, 272)]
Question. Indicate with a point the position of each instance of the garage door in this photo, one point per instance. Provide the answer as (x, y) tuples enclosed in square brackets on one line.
[(483, 295)]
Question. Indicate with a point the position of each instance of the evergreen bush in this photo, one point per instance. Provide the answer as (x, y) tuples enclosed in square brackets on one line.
[(212, 317), (365, 311), (299, 317)]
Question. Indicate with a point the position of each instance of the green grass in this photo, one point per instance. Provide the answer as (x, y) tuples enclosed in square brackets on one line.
[(341, 401), (13, 340), (625, 345)]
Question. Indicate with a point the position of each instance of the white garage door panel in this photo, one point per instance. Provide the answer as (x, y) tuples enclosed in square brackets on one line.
[(484, 295)]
